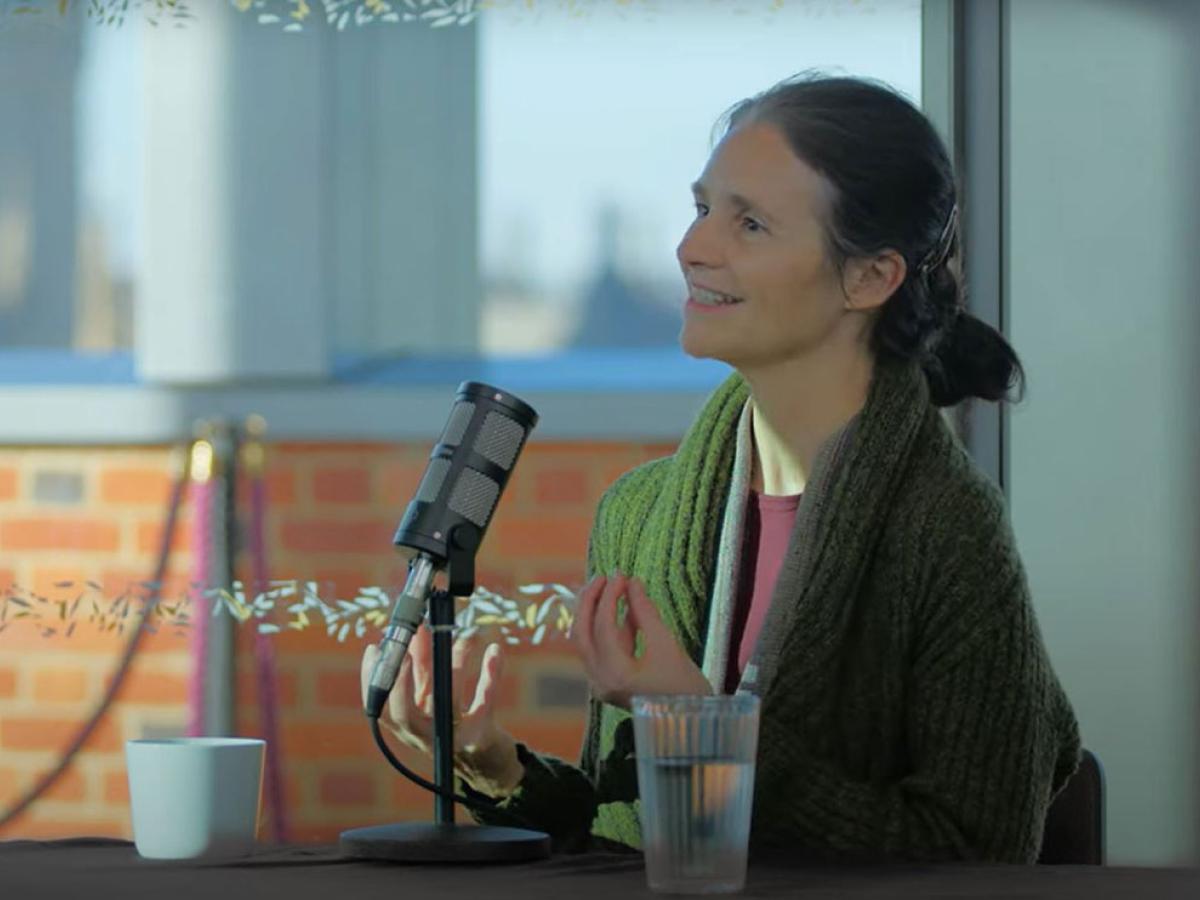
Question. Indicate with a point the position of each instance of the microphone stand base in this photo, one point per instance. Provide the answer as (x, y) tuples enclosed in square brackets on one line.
[(430, 842)]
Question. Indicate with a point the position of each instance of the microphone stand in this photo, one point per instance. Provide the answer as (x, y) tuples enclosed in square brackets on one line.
[(444, 840)]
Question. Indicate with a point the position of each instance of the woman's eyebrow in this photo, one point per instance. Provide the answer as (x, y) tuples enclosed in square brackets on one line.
[(739, 200)]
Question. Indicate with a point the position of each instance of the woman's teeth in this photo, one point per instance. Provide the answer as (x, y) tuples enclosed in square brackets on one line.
[(711, 298)]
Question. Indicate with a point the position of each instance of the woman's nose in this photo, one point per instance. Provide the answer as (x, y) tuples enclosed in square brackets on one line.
[(697, 247)]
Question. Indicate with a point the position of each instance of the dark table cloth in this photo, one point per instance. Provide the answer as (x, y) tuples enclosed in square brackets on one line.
[(111, 869)]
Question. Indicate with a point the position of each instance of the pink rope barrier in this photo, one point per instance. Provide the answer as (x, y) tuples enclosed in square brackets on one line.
[(264, 658), (203, 497)]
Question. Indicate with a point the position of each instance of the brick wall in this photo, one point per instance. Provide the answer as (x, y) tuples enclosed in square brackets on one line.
[(78, 515)]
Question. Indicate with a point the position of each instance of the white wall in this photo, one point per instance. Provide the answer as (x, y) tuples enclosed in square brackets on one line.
[(304, 194), (1100, 269)]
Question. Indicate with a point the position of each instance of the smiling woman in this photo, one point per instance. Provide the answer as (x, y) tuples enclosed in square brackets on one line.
[(820, 538), (757, 237)]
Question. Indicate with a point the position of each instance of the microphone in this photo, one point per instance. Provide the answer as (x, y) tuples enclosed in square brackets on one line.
[(447, 519)]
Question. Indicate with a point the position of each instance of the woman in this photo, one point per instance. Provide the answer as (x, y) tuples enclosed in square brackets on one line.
[(820, 537)]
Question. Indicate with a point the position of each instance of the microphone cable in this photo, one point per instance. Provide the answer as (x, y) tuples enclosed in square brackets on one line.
[(482, 805)]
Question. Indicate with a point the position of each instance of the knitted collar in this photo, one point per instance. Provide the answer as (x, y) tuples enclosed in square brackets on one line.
[(837, 525), (730, 549)]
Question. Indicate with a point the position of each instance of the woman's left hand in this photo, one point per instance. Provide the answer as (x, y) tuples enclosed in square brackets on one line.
[(607, 650)]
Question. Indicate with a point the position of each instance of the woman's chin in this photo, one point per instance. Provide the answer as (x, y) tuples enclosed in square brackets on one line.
[(704, 346), (692, 347), (700, 342)]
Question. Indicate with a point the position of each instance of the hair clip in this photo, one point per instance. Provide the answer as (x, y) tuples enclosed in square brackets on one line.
[(941, 249)]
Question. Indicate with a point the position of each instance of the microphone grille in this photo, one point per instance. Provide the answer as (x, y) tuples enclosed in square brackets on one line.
[(431, 482), (474, 496), (456, 425), (499, 440)]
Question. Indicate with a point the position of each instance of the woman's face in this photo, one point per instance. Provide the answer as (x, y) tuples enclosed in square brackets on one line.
[(757, 237)]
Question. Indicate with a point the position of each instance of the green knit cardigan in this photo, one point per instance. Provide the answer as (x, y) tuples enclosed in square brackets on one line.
[(909, 710)]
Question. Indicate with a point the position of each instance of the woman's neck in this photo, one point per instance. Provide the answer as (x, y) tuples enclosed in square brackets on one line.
[(795, 407)]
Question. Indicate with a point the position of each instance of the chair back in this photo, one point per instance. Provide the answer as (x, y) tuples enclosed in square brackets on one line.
[(1074, 830)]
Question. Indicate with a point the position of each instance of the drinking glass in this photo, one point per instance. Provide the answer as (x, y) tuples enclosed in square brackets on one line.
[(695, 770)]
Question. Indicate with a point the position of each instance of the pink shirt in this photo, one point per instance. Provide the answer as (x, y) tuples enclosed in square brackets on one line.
[(768, 530)]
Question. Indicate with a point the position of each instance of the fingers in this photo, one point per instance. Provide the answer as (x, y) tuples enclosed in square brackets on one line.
[(581, 627), (577, 606), (413, 725), (464, 661), (604, 620), (606, 606), (642, 612), (614, 643), (487, 688), (465, 655)]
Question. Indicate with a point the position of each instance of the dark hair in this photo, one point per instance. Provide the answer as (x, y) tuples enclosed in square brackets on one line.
[(893, 187)]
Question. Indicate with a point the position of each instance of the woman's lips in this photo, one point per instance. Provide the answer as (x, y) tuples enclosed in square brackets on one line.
[(709, 307)]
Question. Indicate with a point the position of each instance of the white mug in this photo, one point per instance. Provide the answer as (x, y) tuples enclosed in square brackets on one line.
[(195, 798)]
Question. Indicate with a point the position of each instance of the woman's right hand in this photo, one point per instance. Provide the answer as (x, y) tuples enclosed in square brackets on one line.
[(483, 751)]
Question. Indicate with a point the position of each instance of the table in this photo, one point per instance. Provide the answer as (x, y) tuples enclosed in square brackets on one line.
[(107, 868)]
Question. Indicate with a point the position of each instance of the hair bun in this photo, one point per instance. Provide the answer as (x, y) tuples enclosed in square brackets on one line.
[(972, 359)]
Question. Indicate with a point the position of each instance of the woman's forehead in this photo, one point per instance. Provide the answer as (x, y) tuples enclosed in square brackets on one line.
[(756, 163)]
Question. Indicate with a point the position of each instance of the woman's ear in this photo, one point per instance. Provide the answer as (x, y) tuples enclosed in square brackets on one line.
[(870, 281)]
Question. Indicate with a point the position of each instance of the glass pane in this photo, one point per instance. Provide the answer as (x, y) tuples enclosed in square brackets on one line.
[(591, 120), (593, 125), (68, 186)]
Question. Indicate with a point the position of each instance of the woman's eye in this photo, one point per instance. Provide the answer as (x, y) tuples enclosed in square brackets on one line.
[(752, 225)]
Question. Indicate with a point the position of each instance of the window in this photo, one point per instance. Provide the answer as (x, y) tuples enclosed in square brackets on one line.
[(226, 203), (66, 261)]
